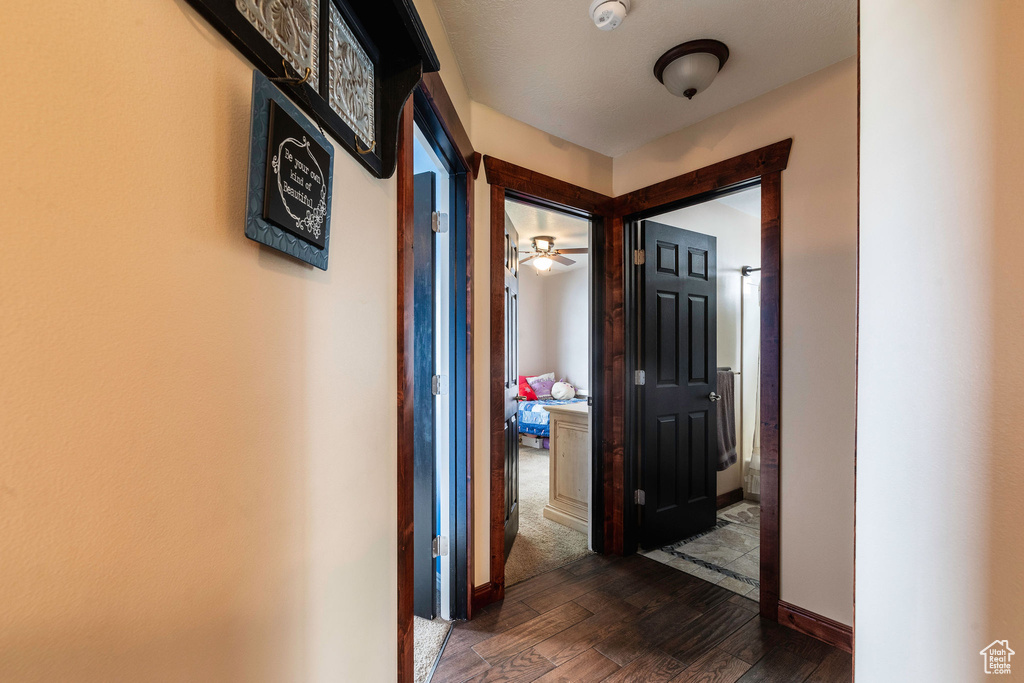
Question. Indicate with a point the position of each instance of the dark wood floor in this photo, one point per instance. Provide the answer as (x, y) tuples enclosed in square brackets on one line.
[(630, 619)]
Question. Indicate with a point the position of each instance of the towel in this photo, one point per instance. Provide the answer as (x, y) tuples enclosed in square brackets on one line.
[(726, 407)]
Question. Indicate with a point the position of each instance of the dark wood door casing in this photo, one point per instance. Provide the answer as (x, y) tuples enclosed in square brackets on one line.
[(613, 462)]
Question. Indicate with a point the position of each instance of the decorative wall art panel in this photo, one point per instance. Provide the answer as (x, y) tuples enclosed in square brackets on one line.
[(297, 184), (292, 27), (291, 171), (364, 59), (350, 74)]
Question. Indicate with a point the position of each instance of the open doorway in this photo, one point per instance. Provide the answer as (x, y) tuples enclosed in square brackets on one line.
[(432, 447), (551, 464), (435, 389), (699, 348)]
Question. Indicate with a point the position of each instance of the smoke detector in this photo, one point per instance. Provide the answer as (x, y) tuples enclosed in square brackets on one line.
[(608, 14)]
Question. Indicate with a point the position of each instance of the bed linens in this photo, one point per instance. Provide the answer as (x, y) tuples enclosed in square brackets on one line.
[(534, 419)]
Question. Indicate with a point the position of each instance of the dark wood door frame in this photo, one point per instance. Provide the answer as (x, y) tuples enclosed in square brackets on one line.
[(430, 97), (614, 466), (509, 180)]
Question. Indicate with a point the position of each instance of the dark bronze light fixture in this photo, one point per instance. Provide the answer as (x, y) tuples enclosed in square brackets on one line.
[(688, 69)]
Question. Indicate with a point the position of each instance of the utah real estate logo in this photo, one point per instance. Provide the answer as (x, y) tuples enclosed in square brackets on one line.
[(997, 657)]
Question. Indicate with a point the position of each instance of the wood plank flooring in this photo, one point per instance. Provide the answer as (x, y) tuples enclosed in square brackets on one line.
[(626, 620)]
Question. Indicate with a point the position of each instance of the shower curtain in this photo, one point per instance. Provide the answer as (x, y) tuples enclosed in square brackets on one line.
[(751, 352), (752, 485)]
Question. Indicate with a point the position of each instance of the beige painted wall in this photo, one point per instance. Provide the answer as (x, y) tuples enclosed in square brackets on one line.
[(738, 243), (819, 260), (554, 324), (941, 392), (192, 427)]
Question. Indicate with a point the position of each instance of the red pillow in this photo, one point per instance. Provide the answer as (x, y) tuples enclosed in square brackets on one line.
[(526, 390)]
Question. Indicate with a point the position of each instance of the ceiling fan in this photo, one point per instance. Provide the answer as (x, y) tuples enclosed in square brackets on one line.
[(544, 253)]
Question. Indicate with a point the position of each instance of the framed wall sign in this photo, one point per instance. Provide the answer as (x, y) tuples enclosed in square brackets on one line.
[(291, 169), (349, 64)]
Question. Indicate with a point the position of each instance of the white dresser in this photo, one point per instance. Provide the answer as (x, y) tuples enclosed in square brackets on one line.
[(569, 481)]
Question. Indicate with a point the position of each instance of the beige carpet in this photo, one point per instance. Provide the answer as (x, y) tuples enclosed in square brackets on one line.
[(542, 545), (428, 636)]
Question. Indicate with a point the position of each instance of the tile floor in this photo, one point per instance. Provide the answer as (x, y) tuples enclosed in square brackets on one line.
[(727, 556)]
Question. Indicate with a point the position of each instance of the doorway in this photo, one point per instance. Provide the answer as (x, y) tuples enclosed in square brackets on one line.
[(434, 385), (698, 332), (616, 490), (548, 322)]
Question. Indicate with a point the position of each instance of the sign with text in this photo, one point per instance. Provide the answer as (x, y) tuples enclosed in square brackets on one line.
[(298, 183)]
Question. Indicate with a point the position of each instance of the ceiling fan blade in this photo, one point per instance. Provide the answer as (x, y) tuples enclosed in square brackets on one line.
[(531, 256), (580, 250), (561, 259)]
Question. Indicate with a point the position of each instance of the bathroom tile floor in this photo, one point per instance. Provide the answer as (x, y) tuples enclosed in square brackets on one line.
[(727, 556)]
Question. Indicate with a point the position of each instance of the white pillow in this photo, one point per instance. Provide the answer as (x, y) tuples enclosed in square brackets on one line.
[(562, 391)]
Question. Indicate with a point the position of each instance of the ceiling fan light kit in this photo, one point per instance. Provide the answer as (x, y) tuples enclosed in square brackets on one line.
[(544, 253), (689, 68)]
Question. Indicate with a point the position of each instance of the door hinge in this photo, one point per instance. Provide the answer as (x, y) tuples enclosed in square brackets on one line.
[(440, 546), (438, 385), (639, 497), (639, 257), (639, 378), (439, 221)]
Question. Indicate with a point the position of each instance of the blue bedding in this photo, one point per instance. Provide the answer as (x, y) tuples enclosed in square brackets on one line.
[(533, 418)]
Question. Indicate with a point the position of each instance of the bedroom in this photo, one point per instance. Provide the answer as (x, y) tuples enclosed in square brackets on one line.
[(554, 368)]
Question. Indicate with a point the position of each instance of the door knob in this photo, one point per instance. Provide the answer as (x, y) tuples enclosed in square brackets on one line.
[(714, 397)]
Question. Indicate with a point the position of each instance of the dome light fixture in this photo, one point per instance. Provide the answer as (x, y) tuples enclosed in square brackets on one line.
[(688, 69), (542, 263)]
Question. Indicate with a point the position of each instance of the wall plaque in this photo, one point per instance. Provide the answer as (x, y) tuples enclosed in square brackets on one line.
[(291, 167), (295, 195)]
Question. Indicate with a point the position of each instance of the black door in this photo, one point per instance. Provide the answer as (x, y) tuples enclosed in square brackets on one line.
[(511, 385), (424, 478), (679, 361)]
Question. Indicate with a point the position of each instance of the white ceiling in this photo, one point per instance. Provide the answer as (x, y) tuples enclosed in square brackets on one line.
[(543, 62), (568, 231), (747, 201)]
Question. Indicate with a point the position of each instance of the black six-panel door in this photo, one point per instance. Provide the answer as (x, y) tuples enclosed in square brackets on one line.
[(424, 470), (511, 385), (679, 361)]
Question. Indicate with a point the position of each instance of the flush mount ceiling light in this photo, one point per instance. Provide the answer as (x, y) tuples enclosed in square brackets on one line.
[(689, 68)]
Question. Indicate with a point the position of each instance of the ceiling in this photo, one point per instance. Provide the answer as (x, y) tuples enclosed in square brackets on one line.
[(546, 64), (569, 232), (747, 201)]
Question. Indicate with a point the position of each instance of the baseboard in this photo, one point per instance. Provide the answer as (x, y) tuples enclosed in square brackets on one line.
[(565, 519), (483, 595), (816, 626), (728, 498)]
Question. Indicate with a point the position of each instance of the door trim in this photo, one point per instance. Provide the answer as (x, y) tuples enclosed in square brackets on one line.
[(764, 165), (515, 181), (431, 98), (613, 469)]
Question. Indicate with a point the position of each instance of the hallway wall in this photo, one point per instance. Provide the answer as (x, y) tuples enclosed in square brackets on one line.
[(187, 418), (941, 374), (819, 285)]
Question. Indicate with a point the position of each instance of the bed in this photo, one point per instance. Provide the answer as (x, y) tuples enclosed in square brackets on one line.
[(534, 419)]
